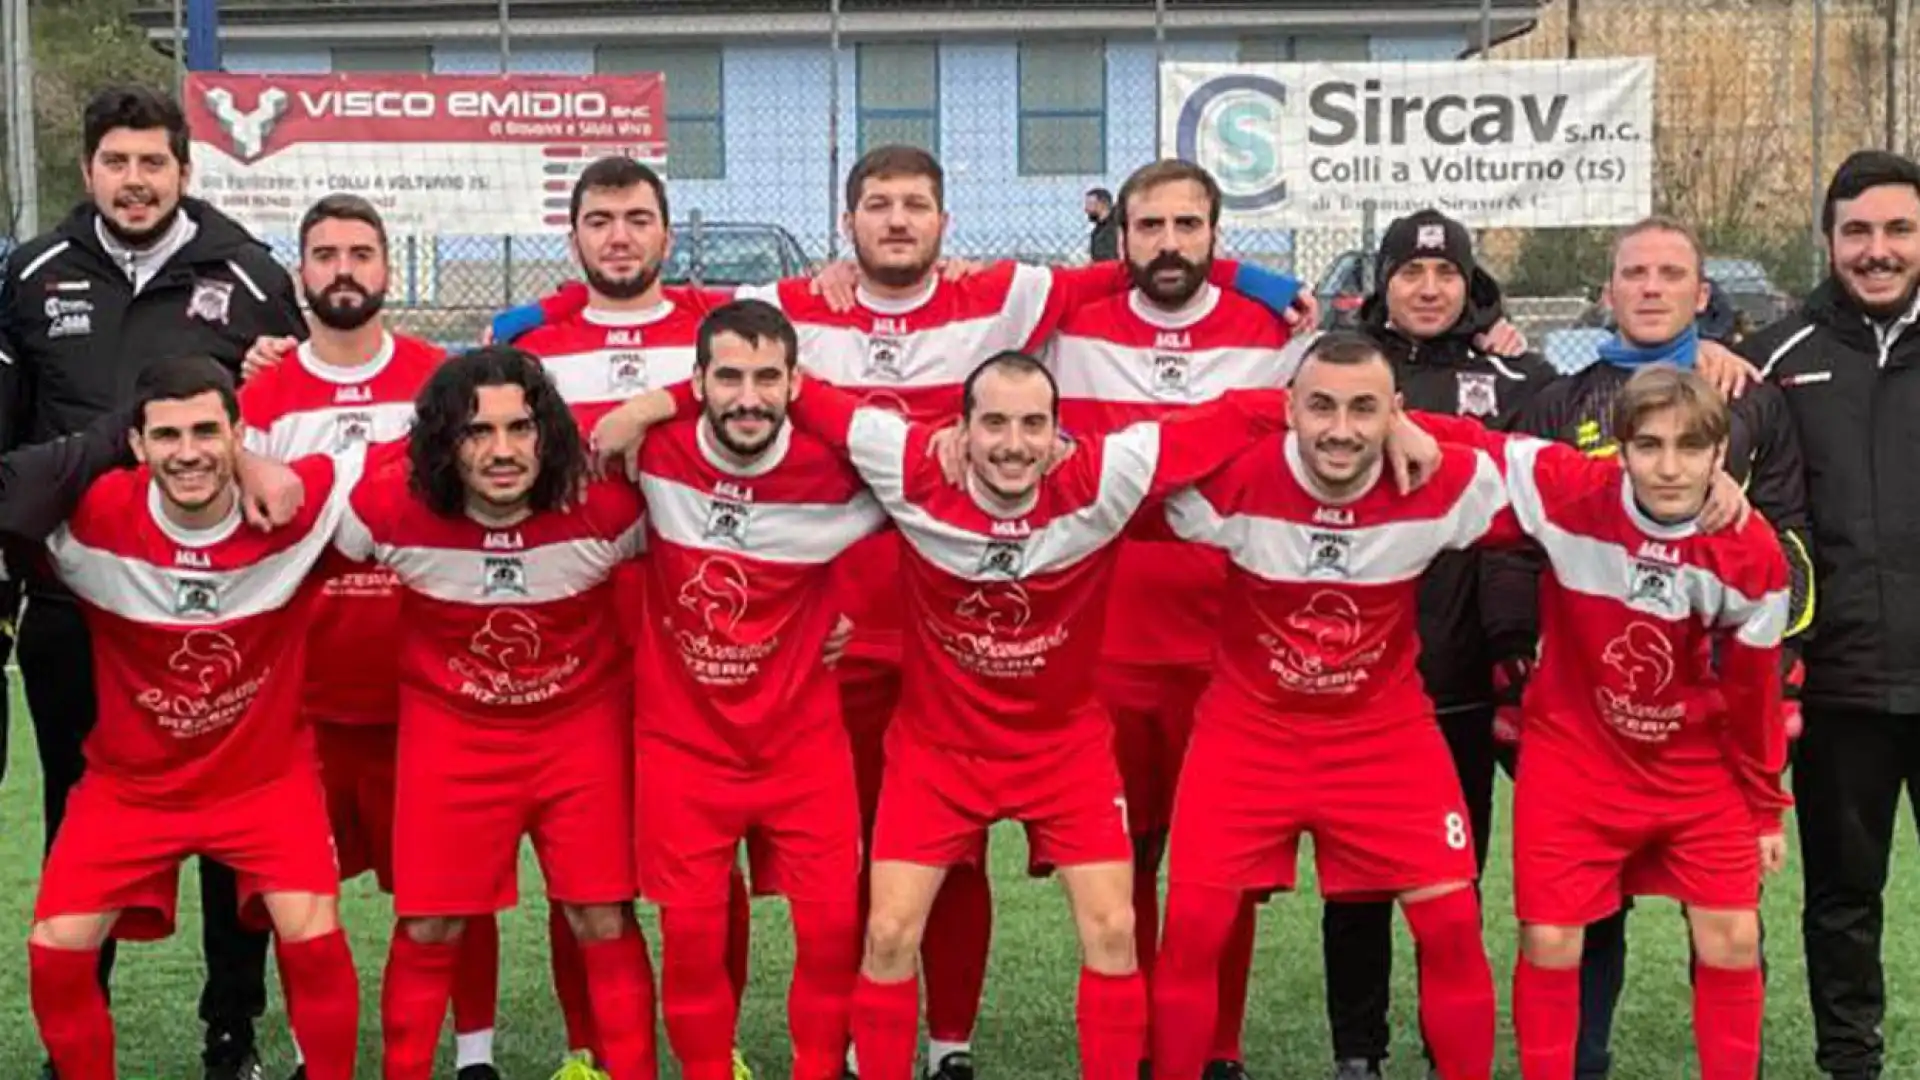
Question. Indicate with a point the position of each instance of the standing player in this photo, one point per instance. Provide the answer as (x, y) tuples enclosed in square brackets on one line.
[(1656, 293), (1652, 747), (1173, 341), (200, 629), (354, 382), (515, 694), (907, 343), (1316, 721), (740, 732)]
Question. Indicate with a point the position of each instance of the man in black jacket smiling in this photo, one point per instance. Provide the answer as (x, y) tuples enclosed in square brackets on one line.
[(1431, 307), (1848, 364), (136, 274)]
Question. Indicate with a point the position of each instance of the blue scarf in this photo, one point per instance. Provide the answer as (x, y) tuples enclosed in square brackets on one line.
[(1680, 352)]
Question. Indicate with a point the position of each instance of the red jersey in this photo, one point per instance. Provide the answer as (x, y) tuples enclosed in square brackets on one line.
[(1005, 613), (503, 624), (198, 635), (911, 356), (1121, 360), (1318, 629), (738, 572), (1659, 644), (599, 358), (302, 406)]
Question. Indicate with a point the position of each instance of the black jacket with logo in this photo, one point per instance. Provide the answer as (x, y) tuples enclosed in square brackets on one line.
[(74, 335), (1447, 374), (1852, 388), (1763, 454)]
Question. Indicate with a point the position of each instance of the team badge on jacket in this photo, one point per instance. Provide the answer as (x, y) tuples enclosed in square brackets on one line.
[(212, 301), (1478, 394)]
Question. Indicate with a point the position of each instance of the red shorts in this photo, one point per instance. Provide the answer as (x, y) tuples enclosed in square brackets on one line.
[(1383, 806), (116, 854), (1579, 846), (356, 769), (469, 790), (1152, 711), (869, 691), (938, 803), (798, 817)]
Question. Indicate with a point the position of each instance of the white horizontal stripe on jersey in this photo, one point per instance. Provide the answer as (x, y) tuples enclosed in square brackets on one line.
[(585, 378), (799, 533), (1275, 549), (1602, 568), (1128, 462), (331, 429), (1091, 369), (144, 593), (534, 575)]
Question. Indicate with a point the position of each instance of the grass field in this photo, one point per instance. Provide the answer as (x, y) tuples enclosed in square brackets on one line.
[(1026, 1028)]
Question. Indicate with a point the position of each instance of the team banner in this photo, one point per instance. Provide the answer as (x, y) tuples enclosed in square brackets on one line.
[(467, 154), (1519, 143)]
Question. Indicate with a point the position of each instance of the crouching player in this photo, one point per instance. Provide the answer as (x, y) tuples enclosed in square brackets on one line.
[(200, 628), (1652, 734)]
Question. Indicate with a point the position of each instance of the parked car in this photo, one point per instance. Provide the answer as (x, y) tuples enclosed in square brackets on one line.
[(733, 253), (1343, 288), (1746, 284)]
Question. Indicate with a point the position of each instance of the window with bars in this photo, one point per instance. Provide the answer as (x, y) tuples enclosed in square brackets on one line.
[(413, 59), (1305, 48), (696, 128), (897, 96), (1063, 109)]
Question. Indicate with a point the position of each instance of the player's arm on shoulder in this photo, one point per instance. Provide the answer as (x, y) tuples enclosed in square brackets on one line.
[(564, 302), (41, 485), (1194, 443), (1200, 514)]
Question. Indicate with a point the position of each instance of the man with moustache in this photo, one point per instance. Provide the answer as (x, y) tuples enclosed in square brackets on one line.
[(1170, 343), (137, 274), (1848, 363), (1428, 314)]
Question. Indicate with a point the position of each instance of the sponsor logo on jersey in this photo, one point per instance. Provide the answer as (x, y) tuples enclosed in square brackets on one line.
[(717, 592), (361, 394), (626, 372), (1643, 657), (989, 633), (196, 596), (885, 358), (191, 559), (1002, 559), (68, 318), (1329, 554), (505, 663), (503, 575), (351, 428), (1317, 648), (1654, 587), (207, 692), (727, 520), (1170, 373)]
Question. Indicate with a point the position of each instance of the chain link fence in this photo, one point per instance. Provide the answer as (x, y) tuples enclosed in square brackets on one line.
[(1029, 105)]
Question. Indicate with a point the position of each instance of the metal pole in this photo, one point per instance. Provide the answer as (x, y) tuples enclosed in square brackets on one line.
[(1486, 27), (26, 155), (179, 50), (1819, 122), (833, 129), (1899, 107), (506, 37), (1159, 66)]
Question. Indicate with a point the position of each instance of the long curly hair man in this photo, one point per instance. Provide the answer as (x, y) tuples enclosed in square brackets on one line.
[(455, 452)]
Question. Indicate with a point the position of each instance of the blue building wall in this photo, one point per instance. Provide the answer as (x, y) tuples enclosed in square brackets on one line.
[(776, 101)]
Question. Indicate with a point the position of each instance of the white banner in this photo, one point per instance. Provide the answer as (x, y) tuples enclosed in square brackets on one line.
[(1492, 143), (467, 154)]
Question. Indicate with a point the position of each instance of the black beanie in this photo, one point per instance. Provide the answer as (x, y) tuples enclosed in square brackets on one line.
[(1427, 234), (1865, 169)]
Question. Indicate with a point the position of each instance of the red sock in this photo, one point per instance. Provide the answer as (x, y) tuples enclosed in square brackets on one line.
[(1186, 983), (1236, 970), (476, 984), (1546, 1019), (1112, 1013), (1728, 1004), (953, 953), (826, 961), (323, 1002), (1457, 1012), (695, 990), (886, 1025), (71, 1011), (570, 983), (620, 987), (739, 936), (413, 1004)]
